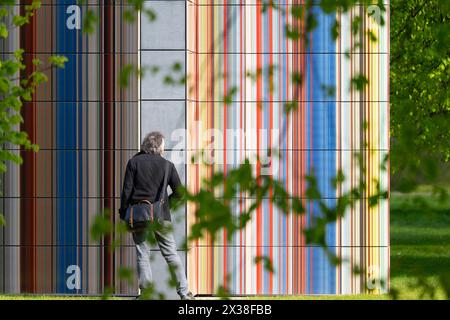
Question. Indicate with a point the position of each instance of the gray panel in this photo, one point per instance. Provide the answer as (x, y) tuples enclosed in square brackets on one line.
[(11, 207), (11, 186), (179, 226), (161, 274), (179, 216), (153, 84), (167, 117), (11, 267), (177, 157), (168, 30)]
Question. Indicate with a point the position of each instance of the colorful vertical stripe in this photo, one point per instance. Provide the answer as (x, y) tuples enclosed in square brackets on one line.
[(87, 127), (235, 46)]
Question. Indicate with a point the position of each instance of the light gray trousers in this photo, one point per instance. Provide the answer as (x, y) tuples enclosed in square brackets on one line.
[(168, 247)]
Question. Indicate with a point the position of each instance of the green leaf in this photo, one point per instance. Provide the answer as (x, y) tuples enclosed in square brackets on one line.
[(359, 82), (228, 99), (58, 61), (3, 12), (89, 21), (4, 85), (151, 14), (3, 31), (268, 266), (125, 74)]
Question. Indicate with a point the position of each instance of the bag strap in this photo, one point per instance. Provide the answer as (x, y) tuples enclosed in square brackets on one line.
[(166, 177)]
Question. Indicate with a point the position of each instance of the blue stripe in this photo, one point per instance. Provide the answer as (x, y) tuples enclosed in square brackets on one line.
[(66, 161)]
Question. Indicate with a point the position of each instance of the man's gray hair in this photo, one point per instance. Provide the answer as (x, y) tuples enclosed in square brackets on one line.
[(153, 143)]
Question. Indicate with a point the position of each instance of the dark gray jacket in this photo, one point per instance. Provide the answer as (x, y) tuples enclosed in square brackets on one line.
[(144, 177)]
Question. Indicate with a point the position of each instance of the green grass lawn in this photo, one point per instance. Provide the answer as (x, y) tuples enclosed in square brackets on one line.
[(420, 252), (420, 247)]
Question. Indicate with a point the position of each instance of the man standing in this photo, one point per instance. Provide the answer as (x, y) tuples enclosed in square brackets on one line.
[(144, 179)]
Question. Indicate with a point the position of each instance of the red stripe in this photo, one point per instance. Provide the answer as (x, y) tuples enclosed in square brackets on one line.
[(108, 95), (259, 220), (28, 169), (270, 145), (225, 92)]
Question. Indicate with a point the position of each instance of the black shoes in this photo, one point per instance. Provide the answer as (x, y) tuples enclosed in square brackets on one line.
[(188, 296)]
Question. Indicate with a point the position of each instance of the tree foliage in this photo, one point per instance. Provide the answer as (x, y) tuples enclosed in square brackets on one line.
[(420, 95)]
